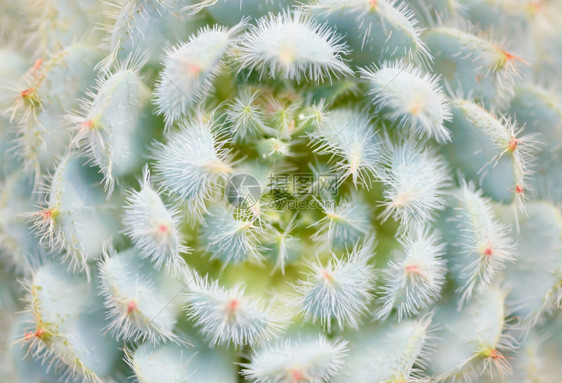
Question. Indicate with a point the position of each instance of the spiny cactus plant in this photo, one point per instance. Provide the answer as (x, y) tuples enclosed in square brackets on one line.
[(280, 191)]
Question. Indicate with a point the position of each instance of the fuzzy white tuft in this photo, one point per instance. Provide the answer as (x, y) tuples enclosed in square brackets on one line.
[(110, 120), (412, 99), (232, 236), (229, 316), (485, 244), (339, 292), (414, 177), (192, 162), (283, 244), (154, 228), (345, 223), (133, 296), (189, 71), (309, 360), (292, 46), (245, 117), (413, 281), (350, 136)]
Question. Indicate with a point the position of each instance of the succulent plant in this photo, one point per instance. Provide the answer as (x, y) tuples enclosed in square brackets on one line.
[(280, 191)]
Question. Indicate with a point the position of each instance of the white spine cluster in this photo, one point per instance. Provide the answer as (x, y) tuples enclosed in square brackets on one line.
[(485, 244), (133, 297), (192, 162), (345, 223), (230, 237), (350, 136), (154, 228), (415, 178), (412, 99), (413, 281), (111, 120), (189, 71), (292, 46), (229, 316), (246, 119), (283, 244), (339, 292), (309, 360)]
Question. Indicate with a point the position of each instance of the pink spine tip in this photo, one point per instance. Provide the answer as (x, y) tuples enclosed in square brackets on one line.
[(131, 306)]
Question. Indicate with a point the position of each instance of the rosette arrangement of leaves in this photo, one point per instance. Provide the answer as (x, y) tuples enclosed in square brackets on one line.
[(280, 191)]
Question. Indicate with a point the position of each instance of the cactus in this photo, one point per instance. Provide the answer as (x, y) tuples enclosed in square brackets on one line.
[(280, 191)]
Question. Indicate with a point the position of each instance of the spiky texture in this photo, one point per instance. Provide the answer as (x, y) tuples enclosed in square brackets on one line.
[(154, 227), (413, 280), (110, 129), (292, 46), (315, 360), (483, 67), (39, 100), (378, 30), (348, 136), (70, 199), (539, 110), (484, 245), (192, 162), (133, 293), (415, 178), (246, 119), (229, 316), (231, 237), (475, 341), (339, 292), (56, 333), (505, 165), (344, 223), (214, 209), (145, 27), (189, 71), (284, 245), (412, 99)]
